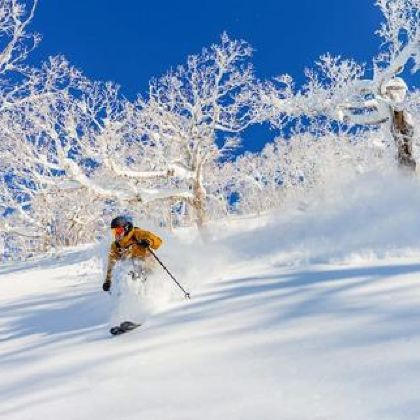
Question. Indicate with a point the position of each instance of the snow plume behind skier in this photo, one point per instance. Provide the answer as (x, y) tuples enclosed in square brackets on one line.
[(130, 267)]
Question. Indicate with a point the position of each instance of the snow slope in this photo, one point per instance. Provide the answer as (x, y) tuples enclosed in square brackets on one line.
[(304, 315)]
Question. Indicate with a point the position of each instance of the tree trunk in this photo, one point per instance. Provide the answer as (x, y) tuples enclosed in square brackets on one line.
[(403, 133), (199, 204), (199, 200)]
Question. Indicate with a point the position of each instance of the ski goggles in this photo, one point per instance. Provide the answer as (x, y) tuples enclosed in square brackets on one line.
[(118, 231)]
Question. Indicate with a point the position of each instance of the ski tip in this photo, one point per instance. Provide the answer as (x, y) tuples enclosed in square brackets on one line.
[(124, 327), (128, 325)]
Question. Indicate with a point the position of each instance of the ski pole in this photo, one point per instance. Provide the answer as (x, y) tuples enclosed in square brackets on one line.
[(186, 294)]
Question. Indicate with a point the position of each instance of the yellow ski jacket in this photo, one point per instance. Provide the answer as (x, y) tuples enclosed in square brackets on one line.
[(128, 247)]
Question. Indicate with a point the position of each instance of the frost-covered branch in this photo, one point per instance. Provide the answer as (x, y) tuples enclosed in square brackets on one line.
[(341, 90), (17, 43)]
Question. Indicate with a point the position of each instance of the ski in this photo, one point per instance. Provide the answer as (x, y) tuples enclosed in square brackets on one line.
[(124, 327)]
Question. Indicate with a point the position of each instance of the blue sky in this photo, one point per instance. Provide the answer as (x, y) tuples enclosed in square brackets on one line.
[(133, 40)]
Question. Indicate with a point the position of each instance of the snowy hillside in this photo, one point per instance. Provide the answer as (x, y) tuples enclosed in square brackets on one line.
[(305, 314)]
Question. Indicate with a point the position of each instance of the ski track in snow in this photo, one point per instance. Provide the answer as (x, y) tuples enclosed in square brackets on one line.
[(289, 320)]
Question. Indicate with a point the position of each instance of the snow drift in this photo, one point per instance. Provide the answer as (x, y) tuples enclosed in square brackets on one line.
[(372, 216)]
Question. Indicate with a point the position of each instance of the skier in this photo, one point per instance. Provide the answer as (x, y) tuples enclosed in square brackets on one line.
[(130, 242)]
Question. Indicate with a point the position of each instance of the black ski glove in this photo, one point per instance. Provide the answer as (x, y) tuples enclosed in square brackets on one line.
[(144, 242), (106, 286)]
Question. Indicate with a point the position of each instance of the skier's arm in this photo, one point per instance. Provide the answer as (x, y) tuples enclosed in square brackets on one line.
[(154, 241), (113, 257)]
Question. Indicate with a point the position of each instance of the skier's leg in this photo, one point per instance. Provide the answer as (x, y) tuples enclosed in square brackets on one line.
[(137, 271), (149, 265), (138, 276)]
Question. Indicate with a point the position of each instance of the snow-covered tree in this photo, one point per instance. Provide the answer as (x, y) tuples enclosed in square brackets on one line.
[(18, 83), (342, 90), (287, 169), (76, 135), (198, 112)]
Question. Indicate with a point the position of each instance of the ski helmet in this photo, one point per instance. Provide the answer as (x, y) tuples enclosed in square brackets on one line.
[(122, 221)]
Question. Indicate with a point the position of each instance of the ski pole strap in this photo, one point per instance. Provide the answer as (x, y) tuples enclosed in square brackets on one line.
[(186, 294)]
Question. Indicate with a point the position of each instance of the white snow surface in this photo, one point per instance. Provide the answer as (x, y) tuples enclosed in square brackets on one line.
[(298, 315)]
